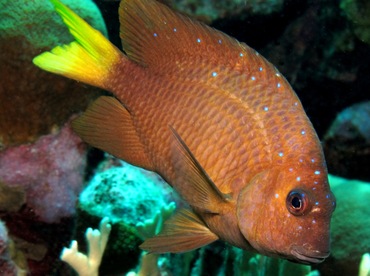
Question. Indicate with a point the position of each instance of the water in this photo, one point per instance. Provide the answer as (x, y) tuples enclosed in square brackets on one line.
[(322, 48)]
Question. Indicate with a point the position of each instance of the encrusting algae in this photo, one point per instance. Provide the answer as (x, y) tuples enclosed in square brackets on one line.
[(215, 120)]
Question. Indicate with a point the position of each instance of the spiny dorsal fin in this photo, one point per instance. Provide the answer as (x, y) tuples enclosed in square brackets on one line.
[(154, 35), (107, 125), (183, 232), (192, 181)]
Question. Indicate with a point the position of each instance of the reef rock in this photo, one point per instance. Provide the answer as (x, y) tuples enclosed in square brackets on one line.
[(358, 12), (209, 11), (347, 143), (7, 264), (33, 102)]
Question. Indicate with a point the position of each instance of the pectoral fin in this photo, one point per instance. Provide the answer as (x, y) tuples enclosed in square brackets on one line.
[(192, 181), (107, 125), (183, 232)]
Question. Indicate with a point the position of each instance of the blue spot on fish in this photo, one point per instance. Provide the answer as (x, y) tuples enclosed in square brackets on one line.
[(214, 74), (175, 30), (198, 40), (317, 172), (155, 35)]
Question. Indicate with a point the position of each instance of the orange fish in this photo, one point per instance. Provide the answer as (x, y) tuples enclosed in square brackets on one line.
[(215, 120)]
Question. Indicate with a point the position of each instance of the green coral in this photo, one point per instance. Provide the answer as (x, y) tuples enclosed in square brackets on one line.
[(152, 227)]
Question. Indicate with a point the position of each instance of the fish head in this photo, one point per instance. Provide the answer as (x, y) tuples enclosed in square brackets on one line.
[(286, 213)]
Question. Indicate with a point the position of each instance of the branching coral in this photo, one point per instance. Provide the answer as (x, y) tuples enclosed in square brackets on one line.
[(88, 265), (152, 227)]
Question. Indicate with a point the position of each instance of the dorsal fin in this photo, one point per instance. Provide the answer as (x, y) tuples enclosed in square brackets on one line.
[(154, 35)]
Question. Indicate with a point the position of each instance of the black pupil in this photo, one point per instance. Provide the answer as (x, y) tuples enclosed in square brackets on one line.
[(296, 202)]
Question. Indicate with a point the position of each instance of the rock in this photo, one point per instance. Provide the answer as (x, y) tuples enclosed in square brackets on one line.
[(347, 143), (358, 13), (209, 11)]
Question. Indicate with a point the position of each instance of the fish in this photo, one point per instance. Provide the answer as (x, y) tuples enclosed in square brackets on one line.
[(214, 119)]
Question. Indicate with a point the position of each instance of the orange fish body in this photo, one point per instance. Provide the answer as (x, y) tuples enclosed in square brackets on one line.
[(215, 120)]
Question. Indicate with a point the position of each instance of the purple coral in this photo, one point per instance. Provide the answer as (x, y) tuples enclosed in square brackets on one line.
[(49, 171)]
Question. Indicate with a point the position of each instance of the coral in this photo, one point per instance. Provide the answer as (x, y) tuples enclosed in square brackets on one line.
[(364, 269), (347, 142), (147, 229), (33, 102), (124, 193), (218, 259), (88, 265), (349, 227), (153, 226), (48, 172), (129, 196)]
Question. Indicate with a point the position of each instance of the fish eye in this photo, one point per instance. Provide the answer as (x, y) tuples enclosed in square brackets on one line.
[(297, 202)]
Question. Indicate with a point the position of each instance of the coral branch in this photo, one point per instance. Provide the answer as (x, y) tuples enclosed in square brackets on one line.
[(365, 265), (97, 241)]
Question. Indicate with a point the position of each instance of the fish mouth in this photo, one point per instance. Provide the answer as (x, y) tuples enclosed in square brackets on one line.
[(305, 256)]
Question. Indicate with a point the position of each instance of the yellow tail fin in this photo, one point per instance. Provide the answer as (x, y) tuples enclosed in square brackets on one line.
[(89, 59)]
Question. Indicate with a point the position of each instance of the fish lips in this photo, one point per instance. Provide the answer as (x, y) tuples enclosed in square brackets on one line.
[(305, 256)]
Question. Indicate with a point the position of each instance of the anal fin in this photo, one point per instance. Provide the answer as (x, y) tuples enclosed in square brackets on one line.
[(183, 232), (107, 125)]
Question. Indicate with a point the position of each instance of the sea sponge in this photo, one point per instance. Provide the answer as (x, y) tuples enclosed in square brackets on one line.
[(33, 102)]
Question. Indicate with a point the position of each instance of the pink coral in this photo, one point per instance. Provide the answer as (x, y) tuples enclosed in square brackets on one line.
[(50, 172)]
